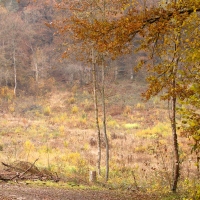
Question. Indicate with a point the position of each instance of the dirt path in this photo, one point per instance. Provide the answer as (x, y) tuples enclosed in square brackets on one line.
[(24, 192)]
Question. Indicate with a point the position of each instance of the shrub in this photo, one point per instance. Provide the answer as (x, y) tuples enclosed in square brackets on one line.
[(6, 93), (127, 110), (47, 111), (86, 147), (160, 129), (82, 122), (28, 147), (71, 100), (74, 89), (62, 129), (112, 124), (140, 106), (1, 147), (11, 108), (66, 144), (88, 106), (62, 118), (74, 109), (93, 142), (131, 126)]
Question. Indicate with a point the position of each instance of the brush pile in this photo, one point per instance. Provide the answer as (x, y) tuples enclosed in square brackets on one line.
[(21, 170)]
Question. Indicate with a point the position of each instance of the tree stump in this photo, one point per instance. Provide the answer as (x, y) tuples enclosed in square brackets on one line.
[(93, 176)]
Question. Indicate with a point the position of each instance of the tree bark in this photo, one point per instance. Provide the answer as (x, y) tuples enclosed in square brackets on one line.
[(173, 124), (96, 111), (15, 70), (104, 121), (175, 146)]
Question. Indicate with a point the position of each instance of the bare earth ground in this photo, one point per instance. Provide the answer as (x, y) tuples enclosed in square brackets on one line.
[(24, 192)]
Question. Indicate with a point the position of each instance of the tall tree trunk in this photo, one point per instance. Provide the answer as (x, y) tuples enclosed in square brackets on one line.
[(35, 63), (175, 146), (104, 121), (15, 71), (176, 172), (96, 111), (104, 104), (36, 79), (36, 72)]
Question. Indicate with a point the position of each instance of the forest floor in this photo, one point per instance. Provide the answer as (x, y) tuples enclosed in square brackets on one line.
[(20, 191)]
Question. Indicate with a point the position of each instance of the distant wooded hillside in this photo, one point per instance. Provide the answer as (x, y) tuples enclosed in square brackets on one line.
[(31, 52)]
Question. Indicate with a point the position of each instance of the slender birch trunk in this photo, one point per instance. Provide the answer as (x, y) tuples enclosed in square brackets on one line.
[(15, 70), (176, 172), (96, 111), (104, 105), (104, 121), (175, 146)]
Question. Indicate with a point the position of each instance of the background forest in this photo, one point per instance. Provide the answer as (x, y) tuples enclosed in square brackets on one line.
[(102, 86)]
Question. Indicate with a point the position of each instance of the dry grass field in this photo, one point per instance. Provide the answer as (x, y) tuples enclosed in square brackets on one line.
[(59, 129)]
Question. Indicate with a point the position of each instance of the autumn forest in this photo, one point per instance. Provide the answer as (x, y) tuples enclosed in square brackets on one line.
[(101, 95)]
